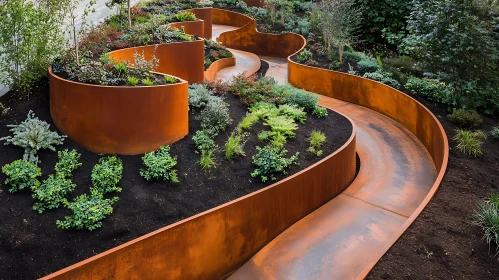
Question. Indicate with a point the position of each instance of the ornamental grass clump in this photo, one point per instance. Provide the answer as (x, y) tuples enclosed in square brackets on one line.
[(486, 216), (235, 145), (316, 139), (21, 175), (33, 135), (468, 142), (160, 165), (87, 211), (107, 174), (271, 161)]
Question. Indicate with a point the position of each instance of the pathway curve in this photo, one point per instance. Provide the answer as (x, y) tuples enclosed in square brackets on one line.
[(343, 238)]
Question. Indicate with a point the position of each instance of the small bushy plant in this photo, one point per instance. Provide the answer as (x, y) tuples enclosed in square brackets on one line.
[(495, 132), (263, 110), (68, 163), (431, 89), (247, 122), (320, 111), (367, 65), (184, 16), (382, 77), (33, 134), (264, 135), (304, 55), (468, 142), (207, 160), (169, 80), (316, 139), (465, 118), (52, 192), (87, 212), (278, 139), (235, 145), (132, 81), (215, 115), (293, 112), (147, 82), (283, 125), (160, 165), (203, 140), (199, 95), (21, 175), (107, 174), (299, 97), (271, 161), (354, 56), (487, 217)]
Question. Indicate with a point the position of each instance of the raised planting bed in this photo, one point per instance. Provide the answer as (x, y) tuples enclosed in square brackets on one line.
[(27, 238)]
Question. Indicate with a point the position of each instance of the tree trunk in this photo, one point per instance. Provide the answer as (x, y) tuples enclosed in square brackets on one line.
[(129, 16)]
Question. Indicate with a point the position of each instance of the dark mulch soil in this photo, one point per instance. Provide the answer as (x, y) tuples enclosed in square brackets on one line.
[(442, 243), (32, 246)]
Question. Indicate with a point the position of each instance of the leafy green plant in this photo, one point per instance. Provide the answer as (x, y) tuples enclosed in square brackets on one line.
[(367, 65), (431, 89), (170, 80), (215, 114), (316, 139), (383, 77), (87, 211), (247, 122), (299, 97), (207, 160), (320, 111), (21, 175), (465, 118), (107, 174), (263, 136), (68, 162), (263, 110), (203, 140), (293, 112), (121, 68), (132, 81), (235, 145), (278, 139), (486, 216), (354, 56), (468, 142), (283, 125), (304, 55), (32, 135), (184, 16), (147, 82), (199, 95), (52, 192), (495, 132), (160, 165), (270, 161)]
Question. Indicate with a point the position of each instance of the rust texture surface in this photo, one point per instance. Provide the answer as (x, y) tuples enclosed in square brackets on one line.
[(119, 120), (206, 15), (210, 244), (190, 27), (211, 73), (224, 17), (182, 59)]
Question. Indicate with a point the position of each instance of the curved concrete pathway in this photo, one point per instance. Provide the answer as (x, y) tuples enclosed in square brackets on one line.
[(344, 238)]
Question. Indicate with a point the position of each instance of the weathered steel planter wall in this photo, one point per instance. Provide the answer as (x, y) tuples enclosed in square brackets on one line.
[(190, 27), (204, 14), (119, 120), (182, 59), (210, 244), (212, 71)]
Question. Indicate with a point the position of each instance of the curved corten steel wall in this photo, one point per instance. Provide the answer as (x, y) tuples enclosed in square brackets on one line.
[(211, 73), (119, 120), (213, 243), (247, 38), (190, 27), (224, 17), (181, 59), (204, 14)]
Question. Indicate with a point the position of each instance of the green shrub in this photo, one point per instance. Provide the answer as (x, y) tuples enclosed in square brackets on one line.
[(52, 192), (33, 135), (304, 55), (316, 139), (235, 146), (382, 77), (21, 175), (495, 132), (203, 140), (252, 90), (283, 125), (121, 68), (170, 80), (249, 120), (68, 163), (404, 64), (367, 65), (468, 142), (465, 118), (160, 165), (263, 110), (184, 16), (278, 139), (320, 111), (199, 95), (263, 136), (487, 217), (299, 97), (132, 81), (148, 82), (354, 56), (215, 114), (107, 174), (293, 112), (431, 89), (271, 161), (87, 212)]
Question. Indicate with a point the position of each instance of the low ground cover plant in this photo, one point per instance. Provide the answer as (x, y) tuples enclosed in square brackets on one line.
[(107, 174), (320, 111), (235, 145), (486, 216), (465, 118), (160, 165), (33, 134), (184, 16), (213, 51), (21, 175), (316, 139), (469, 142), (215, 115), (495, 132), (271, 161)]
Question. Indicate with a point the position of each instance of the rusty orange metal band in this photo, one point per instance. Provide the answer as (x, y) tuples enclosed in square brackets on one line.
[(119, 120), (204, 14), (211, 73), (190, 27)]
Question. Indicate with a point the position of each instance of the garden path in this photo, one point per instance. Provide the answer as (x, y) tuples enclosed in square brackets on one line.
[(344, 238)]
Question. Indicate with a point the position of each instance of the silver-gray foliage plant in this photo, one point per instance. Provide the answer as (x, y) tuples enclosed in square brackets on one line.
[(33, 134)]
